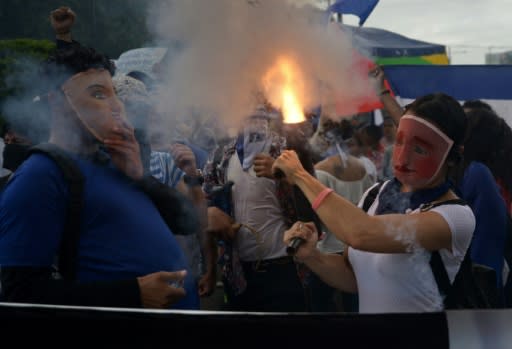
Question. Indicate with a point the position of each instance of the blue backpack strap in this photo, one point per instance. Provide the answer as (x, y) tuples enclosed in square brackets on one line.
[(68, 250)]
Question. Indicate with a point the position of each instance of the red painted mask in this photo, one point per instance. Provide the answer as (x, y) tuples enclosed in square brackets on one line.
[(420, 151)]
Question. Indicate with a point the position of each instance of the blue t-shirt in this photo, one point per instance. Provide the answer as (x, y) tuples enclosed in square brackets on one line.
[(122, 234), (479, 189)]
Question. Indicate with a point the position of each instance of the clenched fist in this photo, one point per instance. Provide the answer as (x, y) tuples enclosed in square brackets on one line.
[(62, 19)]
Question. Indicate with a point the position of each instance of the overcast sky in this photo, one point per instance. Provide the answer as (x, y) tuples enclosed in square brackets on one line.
[(469, 28)]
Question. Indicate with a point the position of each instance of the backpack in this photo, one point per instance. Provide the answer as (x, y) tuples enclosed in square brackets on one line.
[(66, 259), (474, 286), (68, 249)]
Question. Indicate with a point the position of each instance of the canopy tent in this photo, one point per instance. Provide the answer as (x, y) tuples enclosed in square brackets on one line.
[(386, 47)]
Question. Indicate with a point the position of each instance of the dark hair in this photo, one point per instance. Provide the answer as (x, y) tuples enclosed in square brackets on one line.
[(347, 130), (489, 141), (66, 62), (6, 127), (477, 104), (445, 112), (374, 132)]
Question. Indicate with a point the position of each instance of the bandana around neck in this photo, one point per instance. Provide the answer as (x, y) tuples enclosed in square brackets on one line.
[(391, 200), (254, 139)]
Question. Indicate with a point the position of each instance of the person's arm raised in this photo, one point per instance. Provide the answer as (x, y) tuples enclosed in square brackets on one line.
[(390, 233), (62, 19), (384, 93)]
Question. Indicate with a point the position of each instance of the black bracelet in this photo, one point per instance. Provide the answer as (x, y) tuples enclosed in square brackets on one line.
[(384, 92)]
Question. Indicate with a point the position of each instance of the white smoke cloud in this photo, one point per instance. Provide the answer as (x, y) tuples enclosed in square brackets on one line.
[(227, 46)]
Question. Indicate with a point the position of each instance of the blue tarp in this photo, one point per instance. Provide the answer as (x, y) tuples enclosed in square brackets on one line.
[(383, 43), (462, 82)]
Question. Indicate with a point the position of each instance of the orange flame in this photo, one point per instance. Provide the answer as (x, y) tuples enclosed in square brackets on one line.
[(284, 87)]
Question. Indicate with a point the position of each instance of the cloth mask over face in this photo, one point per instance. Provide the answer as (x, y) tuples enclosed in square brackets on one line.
[(420, 151), (256, 134), (92, 97)]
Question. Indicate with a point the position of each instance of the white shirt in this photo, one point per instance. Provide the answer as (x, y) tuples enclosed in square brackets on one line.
[(404, 282), (255, 203)]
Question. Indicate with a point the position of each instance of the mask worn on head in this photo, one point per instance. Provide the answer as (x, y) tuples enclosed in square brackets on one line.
[(97, 113), (420, 151), (14, 155)]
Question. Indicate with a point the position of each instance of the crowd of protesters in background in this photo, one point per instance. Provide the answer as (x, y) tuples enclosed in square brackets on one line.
[(171, 218)]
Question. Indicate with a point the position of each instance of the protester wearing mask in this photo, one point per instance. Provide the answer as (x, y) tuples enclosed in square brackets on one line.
[(127, 254), (178, 170), (258, 274), (387, 261)]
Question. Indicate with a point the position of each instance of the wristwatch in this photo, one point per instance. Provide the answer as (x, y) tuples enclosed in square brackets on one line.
[(196, 180)]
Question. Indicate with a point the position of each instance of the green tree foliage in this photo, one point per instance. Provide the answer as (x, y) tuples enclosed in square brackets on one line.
[(111, 26), (15, 56), (12, 55)]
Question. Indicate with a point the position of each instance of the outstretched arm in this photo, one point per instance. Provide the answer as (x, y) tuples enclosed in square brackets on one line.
[(390, 233)]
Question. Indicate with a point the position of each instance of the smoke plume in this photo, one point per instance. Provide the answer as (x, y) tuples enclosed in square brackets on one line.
[(219, 52)]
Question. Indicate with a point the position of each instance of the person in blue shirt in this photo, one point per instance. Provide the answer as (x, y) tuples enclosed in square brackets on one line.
[(486, 186), (127, 254)]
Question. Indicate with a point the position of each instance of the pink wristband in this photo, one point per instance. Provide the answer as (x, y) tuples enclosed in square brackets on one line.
[(320, 198)]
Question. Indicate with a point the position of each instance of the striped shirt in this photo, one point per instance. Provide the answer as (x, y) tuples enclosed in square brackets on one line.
[(164, 169)]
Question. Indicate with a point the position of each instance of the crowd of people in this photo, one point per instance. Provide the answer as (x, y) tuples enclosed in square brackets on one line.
[(166, 223)]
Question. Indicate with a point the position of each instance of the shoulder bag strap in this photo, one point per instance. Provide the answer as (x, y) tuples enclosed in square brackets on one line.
[(68, 250)]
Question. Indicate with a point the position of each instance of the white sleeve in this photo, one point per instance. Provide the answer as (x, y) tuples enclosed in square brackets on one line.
[(461, 221)]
